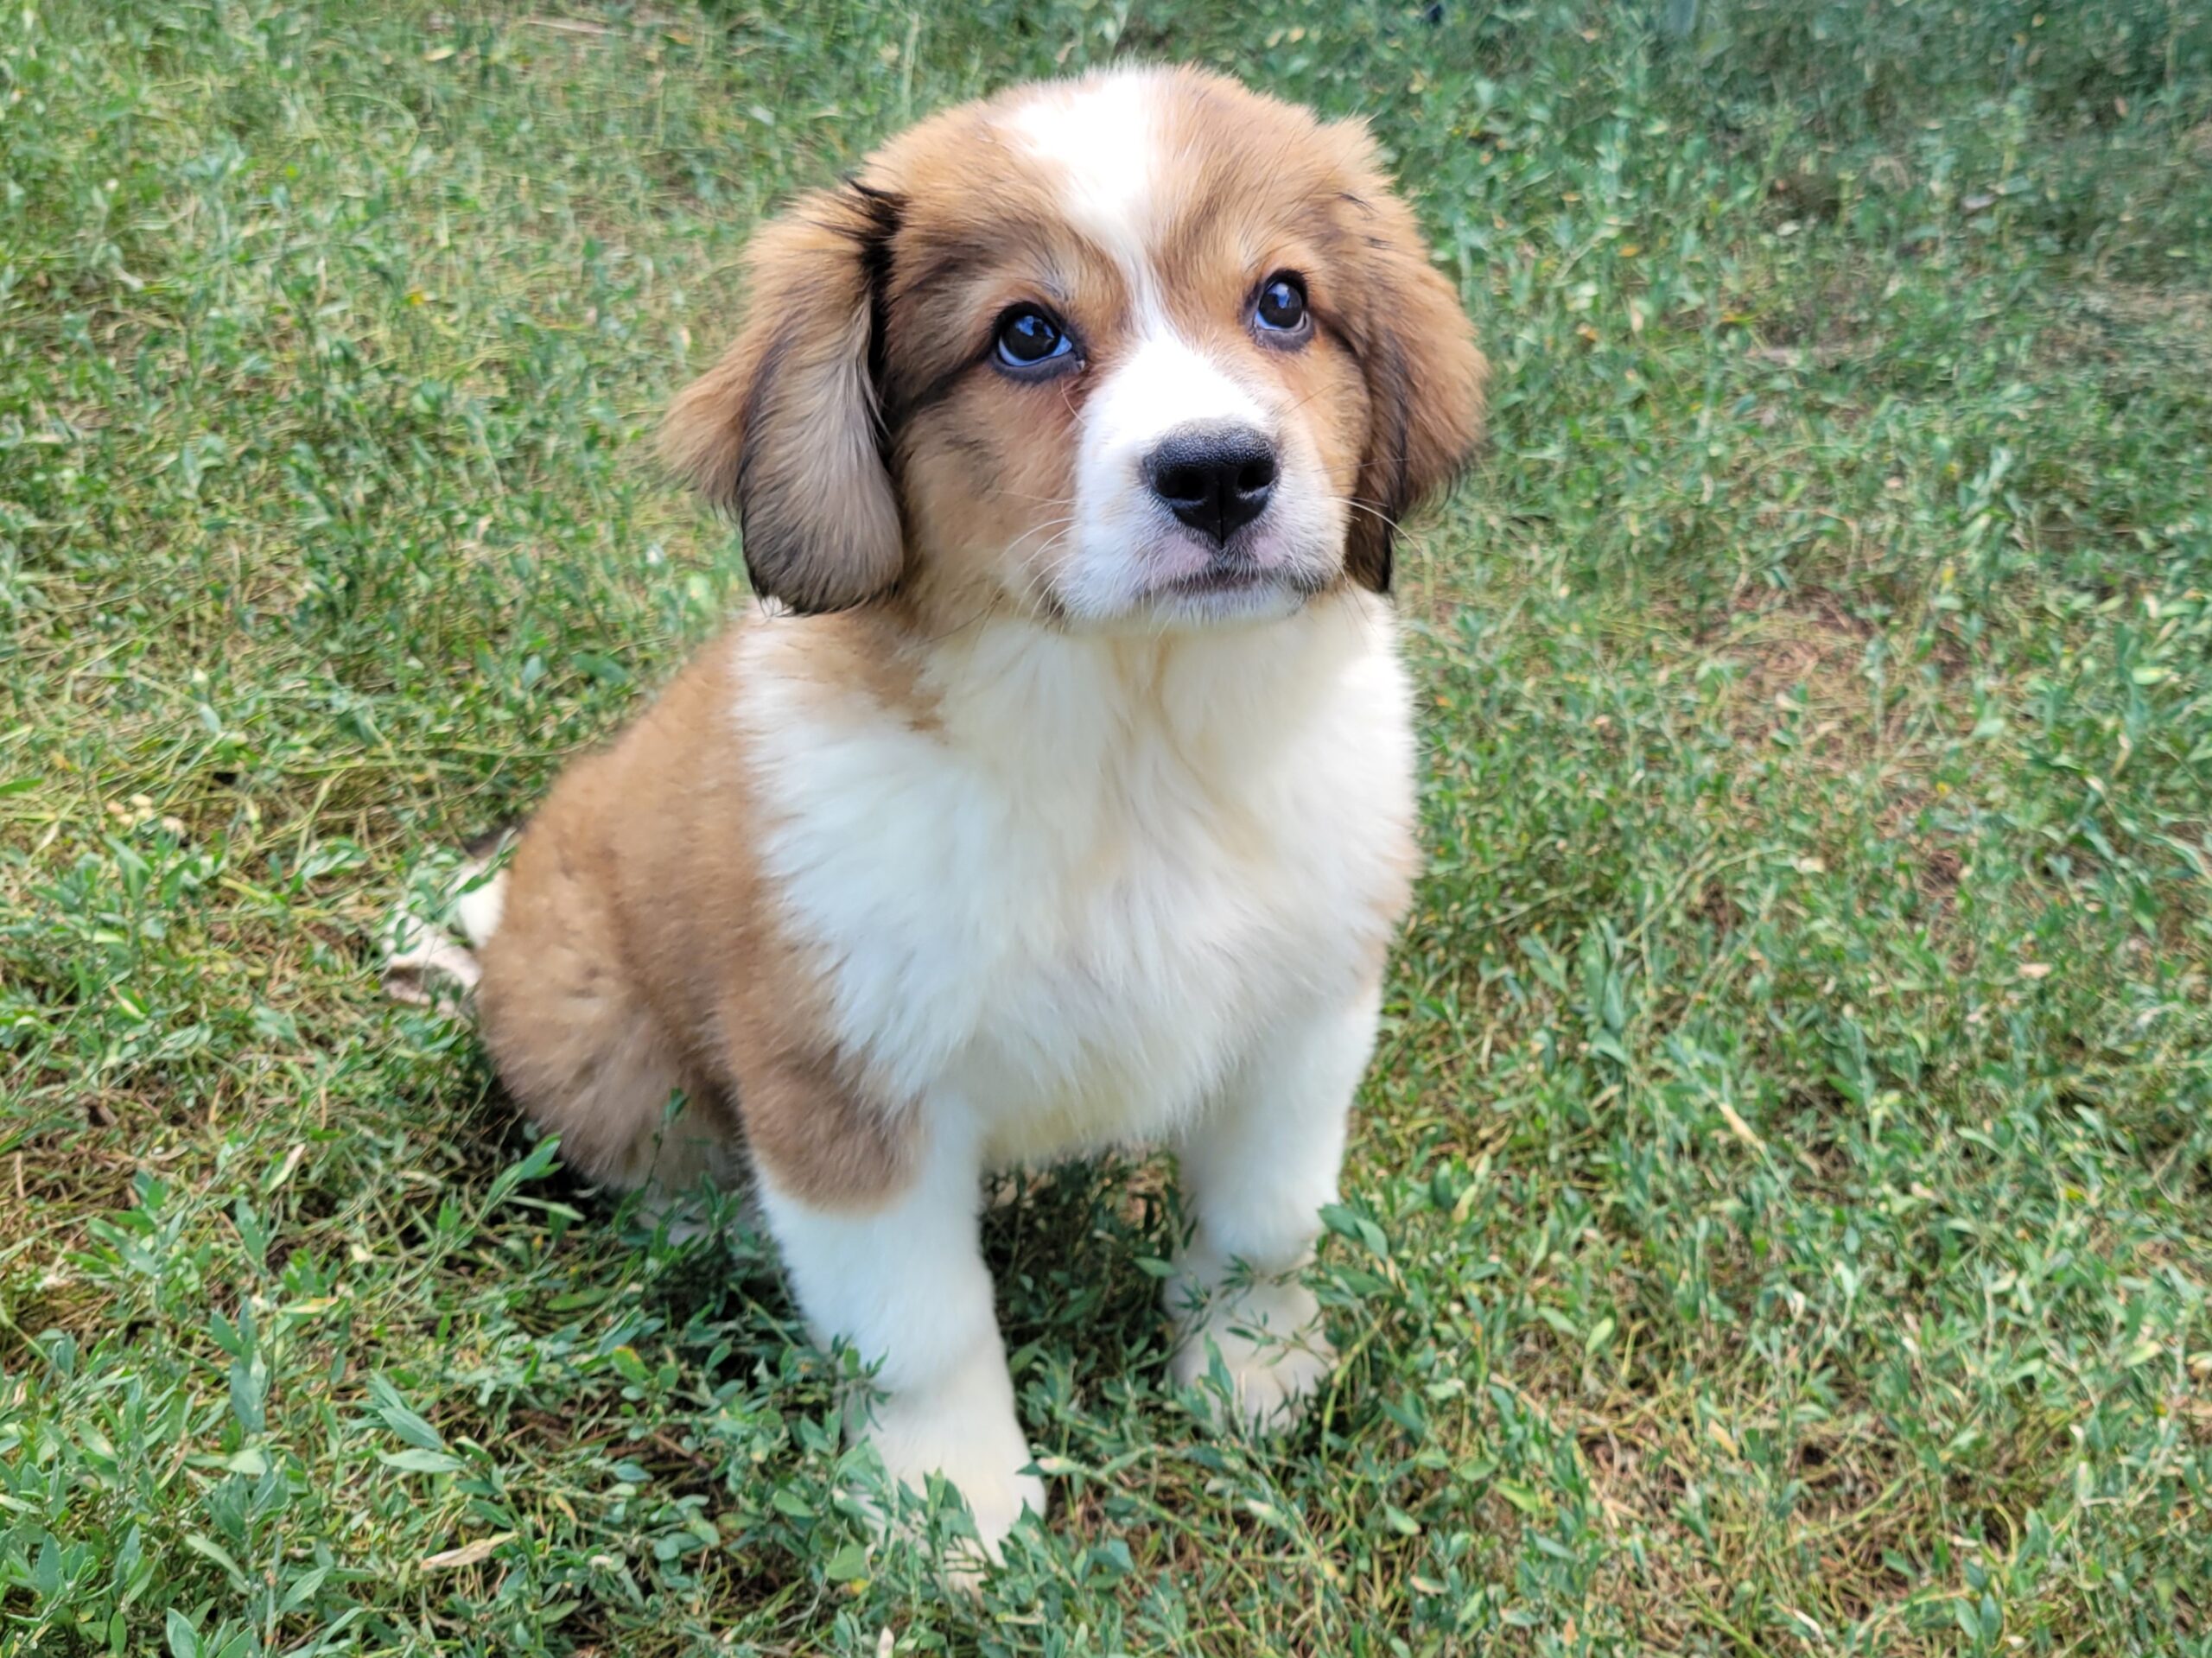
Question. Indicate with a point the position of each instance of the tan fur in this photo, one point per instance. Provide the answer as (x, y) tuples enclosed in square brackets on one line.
[(640, 951), (783, 429), (637, 955)]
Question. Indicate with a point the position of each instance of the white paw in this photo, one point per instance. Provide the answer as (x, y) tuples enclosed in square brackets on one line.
[(963, 1430), (1271, 1344)]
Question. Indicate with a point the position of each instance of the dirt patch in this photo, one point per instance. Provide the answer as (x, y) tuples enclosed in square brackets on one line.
[(1802, 683), (1802, 658), (2134, 331)]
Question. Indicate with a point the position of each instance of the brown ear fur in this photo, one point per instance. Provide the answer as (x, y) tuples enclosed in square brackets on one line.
[(784, 430), (1424, 375)]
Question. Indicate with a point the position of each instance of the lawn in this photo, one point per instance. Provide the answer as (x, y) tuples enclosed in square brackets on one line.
[(1780, 1217)]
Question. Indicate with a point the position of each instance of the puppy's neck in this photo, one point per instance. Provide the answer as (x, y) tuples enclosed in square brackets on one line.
[(1034, 697)]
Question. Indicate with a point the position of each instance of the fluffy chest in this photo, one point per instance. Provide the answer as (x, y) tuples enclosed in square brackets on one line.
[(1075, 939)]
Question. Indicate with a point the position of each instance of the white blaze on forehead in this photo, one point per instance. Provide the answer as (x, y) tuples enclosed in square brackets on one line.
[(1167, 382), (1099, 137)]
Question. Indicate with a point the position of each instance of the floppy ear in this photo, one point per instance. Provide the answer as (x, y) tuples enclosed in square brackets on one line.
[(1424, 375), (784, 430)]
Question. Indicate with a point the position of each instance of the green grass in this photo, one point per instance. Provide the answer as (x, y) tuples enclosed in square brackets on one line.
[(1781, 1217)]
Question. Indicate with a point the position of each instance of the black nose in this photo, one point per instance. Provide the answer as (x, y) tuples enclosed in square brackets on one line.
[(1216, 479)]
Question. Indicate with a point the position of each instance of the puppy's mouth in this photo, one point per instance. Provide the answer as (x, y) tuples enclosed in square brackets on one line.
[(1234, 586), (1226, 576)]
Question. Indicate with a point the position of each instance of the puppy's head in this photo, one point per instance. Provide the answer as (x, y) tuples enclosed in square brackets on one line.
[(1144, 347)]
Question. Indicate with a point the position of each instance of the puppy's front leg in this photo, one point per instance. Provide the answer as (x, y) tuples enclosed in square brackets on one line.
[(1257, 1171), (904, 1283)]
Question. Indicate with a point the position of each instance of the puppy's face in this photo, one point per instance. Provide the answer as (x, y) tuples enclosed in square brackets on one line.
[(1140, 348)]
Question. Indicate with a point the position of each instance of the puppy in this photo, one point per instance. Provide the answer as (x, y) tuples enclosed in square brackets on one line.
[(1059, 791)]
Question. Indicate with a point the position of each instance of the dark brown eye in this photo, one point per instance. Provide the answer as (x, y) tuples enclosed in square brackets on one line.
[(1282, 307), (1028, 338)]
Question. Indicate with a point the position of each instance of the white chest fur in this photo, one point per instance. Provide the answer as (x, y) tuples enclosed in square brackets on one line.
[(1103, 873)]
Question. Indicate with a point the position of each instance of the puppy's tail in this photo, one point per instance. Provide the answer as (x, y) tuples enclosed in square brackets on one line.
[(425, 965), (480, 899)]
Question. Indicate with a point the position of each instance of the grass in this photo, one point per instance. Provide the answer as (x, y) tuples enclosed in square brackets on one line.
[(1781, 1218)]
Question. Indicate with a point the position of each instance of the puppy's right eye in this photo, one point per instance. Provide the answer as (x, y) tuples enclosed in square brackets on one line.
[(1028, 338)]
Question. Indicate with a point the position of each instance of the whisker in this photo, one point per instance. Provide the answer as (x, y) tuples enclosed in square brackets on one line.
[(1368, 507), (1058, 524)]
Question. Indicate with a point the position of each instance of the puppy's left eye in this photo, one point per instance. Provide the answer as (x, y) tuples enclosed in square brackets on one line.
[(1280, 308)]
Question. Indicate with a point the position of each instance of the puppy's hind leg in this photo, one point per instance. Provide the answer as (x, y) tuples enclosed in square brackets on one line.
[(578, 1042)]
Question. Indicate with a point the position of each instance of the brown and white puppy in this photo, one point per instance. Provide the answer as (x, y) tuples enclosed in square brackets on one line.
[(1060, 793)]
